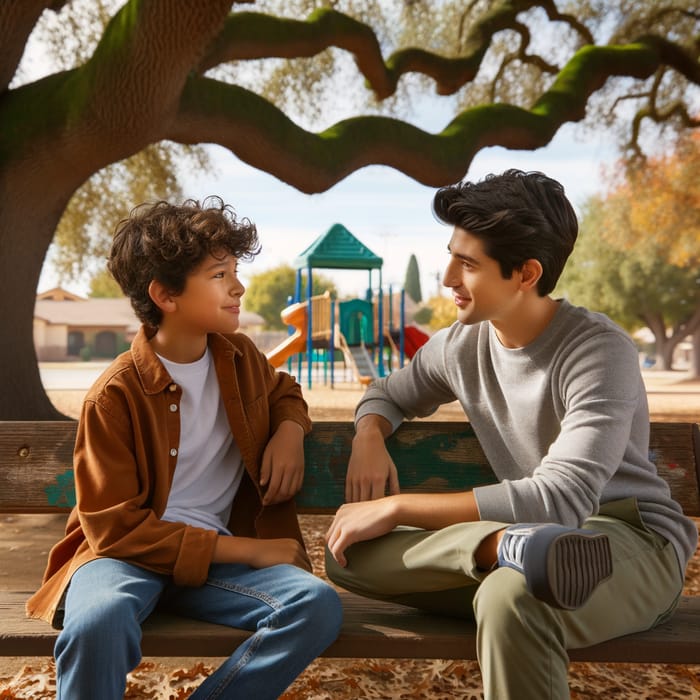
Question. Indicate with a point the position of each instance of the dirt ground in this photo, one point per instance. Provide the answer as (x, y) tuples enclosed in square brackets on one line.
[(26, 540)]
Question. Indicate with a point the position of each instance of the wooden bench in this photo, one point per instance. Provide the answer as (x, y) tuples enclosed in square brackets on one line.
[(36, 477)]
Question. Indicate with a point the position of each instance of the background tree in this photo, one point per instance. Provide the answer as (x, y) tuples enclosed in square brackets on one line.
[(198, 72), (268, 292), (103, 285), (412, 282), (659, 201), (636, 287), (438, 312)]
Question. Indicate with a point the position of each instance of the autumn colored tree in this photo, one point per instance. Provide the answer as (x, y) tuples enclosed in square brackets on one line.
[(260, 82), (438, 312), (658, 199), (628, 273)]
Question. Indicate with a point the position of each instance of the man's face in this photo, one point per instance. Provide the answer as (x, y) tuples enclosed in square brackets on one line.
[(478, 288)]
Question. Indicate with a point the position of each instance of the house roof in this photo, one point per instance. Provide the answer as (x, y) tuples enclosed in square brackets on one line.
[(59, 294), (338, 249), (106, 313)]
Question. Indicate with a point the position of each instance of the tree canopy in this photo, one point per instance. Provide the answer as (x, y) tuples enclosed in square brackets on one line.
[(311, 93), (638, 253)]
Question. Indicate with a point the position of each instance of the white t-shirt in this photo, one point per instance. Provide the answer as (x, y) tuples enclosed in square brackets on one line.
[(209, 466)]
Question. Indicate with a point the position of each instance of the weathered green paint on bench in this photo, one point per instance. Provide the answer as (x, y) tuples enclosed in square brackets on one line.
[(61, 494), (36, 477), (448, 459), (36, 459)]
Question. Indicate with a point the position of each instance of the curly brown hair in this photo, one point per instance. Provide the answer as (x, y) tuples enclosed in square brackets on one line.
[(165, 242)]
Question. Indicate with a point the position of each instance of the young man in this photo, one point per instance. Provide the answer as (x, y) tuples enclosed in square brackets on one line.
[(580, 540), (189, 451)]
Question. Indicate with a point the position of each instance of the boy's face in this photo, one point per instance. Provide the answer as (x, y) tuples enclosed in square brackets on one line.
[(478, 288), (211, 299)]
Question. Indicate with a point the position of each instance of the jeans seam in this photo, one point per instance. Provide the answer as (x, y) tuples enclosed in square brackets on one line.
[(262, 596)]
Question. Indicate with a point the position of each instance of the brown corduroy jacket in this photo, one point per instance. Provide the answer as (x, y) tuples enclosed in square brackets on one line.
[(125, 455)]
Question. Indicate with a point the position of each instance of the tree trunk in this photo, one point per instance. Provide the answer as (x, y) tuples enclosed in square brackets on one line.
[(695, 357), (664, 345), (57, 132), (30, 213)]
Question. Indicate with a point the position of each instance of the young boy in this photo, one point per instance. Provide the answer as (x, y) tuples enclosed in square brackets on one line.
[(189, 451), (580, 540)]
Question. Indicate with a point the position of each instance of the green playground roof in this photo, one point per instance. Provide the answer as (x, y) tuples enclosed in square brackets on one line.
[(340, 250)]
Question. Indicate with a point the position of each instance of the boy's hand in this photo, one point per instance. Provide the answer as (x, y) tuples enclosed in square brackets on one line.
[(357, 522), (370, 468), (282, 471), (260, 553)]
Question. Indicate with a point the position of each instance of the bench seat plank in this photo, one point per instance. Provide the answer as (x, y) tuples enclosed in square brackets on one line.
[(371, 629)]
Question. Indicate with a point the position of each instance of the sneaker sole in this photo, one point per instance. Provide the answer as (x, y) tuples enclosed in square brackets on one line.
[(576, 564)]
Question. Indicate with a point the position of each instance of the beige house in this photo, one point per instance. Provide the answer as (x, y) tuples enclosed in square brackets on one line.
[(68, 327)]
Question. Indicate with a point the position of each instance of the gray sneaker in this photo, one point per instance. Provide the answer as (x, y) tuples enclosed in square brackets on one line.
[(562, 565)]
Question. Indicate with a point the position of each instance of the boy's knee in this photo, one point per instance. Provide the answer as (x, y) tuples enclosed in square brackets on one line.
[(328, 610), (103, 625)]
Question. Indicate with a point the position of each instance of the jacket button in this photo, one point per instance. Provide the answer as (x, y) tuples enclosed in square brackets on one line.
[(173, 452), (173, 387), (173, 407)]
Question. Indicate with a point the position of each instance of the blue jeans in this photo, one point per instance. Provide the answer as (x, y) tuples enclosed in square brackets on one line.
[(293, 615)]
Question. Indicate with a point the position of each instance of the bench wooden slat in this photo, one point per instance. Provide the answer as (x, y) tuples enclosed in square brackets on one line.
[(36, 459), (36, 477), (372, 629)]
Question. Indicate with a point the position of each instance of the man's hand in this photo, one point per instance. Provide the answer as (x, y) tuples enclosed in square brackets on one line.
[(260, 553), (282, 470), (357, 522), (370, 468)]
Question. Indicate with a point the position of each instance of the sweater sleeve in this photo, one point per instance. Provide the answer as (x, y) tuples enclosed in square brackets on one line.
[(601, 389), (416, 390)]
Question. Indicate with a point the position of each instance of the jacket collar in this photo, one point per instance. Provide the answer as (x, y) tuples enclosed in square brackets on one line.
[(152, 374)]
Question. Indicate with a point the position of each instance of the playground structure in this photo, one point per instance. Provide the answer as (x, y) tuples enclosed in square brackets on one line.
[(368, 334)]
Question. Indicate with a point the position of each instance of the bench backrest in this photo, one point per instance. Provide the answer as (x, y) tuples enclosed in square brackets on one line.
[(36, 474)]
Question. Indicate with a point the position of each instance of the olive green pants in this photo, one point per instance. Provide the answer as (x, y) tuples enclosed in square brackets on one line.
[(521, 641)]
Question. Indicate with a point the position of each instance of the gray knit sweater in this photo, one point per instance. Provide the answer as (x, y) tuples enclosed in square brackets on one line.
[(564, 421)]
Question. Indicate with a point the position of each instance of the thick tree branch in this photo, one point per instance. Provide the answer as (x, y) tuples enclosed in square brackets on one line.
[(260, 134), (250, 35), (17, 19), (144, 57)]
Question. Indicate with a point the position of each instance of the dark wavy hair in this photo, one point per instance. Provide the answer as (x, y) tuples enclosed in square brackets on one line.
[(518, 216), (166, 242)]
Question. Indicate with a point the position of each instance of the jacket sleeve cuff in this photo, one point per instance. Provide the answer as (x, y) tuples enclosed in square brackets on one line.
[(194, 559)]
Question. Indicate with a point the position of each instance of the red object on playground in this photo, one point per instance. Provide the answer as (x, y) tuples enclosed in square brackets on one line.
[(413, 338)]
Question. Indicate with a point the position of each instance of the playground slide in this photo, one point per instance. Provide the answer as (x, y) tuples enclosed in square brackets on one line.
[(365, 370), (294, 315)]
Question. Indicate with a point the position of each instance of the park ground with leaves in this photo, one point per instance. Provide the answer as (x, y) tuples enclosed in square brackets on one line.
[(23, 542)]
